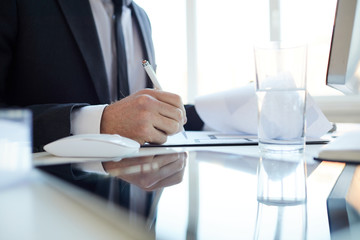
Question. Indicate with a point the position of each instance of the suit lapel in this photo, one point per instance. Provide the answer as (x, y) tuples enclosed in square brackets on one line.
[(145, 30), (79, 17)]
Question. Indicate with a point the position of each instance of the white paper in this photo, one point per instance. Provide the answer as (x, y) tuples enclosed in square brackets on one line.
[(214, 138), (205, 138), (235, 110), (346, 147)]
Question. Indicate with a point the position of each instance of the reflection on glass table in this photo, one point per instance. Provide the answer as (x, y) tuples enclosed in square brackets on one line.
[(281, 195), (204, 195), (343, 205), (149, 172)]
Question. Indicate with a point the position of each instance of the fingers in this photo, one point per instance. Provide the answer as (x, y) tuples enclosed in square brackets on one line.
[(172, 115), (169, 113), (175, 101), (169, 101), (146, 116), (167, 126)]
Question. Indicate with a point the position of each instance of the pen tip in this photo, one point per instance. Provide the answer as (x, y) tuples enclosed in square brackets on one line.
[(184, 133)]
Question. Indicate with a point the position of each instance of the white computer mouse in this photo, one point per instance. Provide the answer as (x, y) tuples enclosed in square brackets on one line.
[(92, 145)]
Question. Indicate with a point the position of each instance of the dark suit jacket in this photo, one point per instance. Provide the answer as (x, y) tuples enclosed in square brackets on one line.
[(51, 61)]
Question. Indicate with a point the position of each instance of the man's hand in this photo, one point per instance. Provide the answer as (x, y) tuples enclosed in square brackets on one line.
[(146, 116)]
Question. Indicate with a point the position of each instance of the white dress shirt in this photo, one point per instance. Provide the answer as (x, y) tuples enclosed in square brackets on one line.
[(87, 119)]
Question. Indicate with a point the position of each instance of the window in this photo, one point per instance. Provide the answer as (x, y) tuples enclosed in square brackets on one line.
[(224, 35), (168, 22), (313, 21)]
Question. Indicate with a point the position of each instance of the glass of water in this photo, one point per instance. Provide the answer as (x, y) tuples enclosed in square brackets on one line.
[(281, 95), (15, 145)]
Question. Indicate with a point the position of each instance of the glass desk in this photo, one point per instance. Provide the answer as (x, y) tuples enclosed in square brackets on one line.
[(207, 195)]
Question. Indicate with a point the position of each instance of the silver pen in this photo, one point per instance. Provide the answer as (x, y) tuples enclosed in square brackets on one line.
[(151, 73)]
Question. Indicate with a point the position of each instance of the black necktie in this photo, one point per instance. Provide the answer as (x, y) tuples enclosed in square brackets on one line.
[(122, 75)]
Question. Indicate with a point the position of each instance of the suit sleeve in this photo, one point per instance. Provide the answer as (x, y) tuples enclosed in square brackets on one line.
[(8, 32), (194, 122), (50, 121)]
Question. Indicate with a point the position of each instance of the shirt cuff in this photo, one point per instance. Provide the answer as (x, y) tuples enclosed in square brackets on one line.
[(87, 119)]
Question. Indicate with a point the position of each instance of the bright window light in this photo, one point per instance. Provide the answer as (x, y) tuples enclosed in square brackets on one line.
[(226, 32)]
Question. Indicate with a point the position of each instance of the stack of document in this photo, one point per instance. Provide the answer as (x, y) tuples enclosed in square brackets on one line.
[(235, 111)]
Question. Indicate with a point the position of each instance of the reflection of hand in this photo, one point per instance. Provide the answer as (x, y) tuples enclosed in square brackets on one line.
[(146, 116), (150, 172)]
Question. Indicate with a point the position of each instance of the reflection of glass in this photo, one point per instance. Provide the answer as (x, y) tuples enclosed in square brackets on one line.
[(282, 198), (281, 221), (282, 179), (15, 144)]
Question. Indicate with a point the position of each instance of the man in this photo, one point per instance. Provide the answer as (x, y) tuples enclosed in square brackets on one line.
[(58, 58)]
